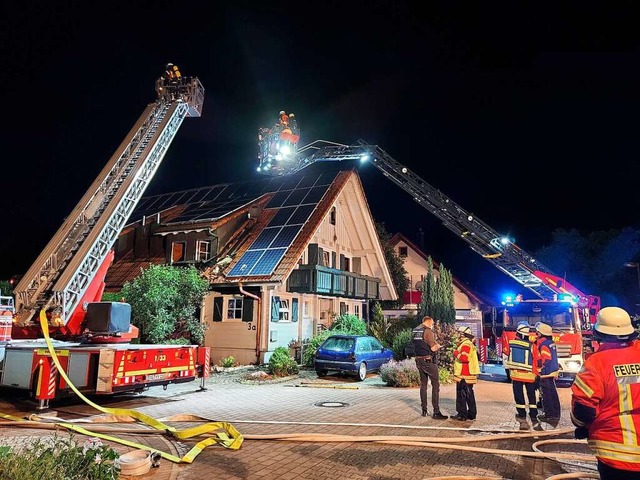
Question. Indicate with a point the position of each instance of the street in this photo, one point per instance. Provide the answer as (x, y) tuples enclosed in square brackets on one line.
[(338, 406)]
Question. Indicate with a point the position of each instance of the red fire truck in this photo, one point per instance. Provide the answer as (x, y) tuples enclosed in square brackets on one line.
[(570, 312), (92, 339)]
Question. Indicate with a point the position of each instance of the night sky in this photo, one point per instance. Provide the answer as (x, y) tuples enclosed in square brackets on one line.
[(526, 116)]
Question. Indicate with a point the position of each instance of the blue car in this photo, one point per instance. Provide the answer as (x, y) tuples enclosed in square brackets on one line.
[(353, 354)]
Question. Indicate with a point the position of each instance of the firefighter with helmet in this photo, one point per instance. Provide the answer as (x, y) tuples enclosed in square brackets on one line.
[(605, 402), (546, 358), (523, 375)]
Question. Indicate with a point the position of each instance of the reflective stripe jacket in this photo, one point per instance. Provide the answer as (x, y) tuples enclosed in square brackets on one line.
[(520, 362), (609, 382), (547, 353), (466, 365)]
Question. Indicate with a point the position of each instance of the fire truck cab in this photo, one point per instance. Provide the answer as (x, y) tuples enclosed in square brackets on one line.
[(563, 316)]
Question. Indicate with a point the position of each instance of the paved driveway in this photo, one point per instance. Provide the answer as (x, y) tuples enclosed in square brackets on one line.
[(342, 406)]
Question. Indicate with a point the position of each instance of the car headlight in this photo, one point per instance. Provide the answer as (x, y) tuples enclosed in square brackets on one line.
[(574, 365)]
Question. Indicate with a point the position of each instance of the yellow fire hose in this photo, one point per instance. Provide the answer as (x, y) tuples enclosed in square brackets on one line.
[(226, 435), (222, 433)]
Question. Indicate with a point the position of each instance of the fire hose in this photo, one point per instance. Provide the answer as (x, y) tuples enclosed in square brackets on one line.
[(226, 435)]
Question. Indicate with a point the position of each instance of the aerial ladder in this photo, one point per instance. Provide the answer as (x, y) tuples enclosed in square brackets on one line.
[(497, 249), (66, 281), (70, 269)]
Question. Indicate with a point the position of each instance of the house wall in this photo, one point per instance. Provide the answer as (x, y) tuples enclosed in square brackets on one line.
[(416, 267), (315, 313)]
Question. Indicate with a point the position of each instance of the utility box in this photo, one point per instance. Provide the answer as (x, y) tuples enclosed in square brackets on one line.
[(108, 317)]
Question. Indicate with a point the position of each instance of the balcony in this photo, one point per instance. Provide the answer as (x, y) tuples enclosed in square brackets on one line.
[(330, 281)]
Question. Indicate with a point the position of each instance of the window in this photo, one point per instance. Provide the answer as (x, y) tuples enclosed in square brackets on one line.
[(326, 259), (402, 251), (234, 308), (178, 250), (356, 310), (203, 250), (332, 216), (347, 264), (284, 311)]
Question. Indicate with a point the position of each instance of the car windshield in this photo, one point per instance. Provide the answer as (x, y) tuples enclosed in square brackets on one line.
[(338, 344)]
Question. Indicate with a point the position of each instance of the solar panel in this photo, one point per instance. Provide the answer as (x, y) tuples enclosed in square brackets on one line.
[(286, 236), (266, 237), (296, 197), (281, 217), (268, 261), (301, 215), (295, 200), (248, 260)]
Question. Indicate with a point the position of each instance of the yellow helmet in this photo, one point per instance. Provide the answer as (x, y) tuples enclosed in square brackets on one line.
[(614, 321)]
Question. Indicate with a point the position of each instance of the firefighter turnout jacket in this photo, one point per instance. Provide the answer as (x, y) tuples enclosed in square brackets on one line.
[(546, 356), (520, 362), (609, 384), (466, 366)]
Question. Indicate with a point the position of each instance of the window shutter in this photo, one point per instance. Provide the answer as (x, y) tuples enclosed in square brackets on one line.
[(313, 257), (247, 309), (294, 310), (333, 260), (342, 262), (217, 309), (275, 309), (343, 308)]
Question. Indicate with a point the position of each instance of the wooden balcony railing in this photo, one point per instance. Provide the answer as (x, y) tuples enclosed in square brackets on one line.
[(330, 281)]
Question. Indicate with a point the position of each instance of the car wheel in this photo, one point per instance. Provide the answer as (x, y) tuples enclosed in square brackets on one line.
[(362, 371), (321, 373)]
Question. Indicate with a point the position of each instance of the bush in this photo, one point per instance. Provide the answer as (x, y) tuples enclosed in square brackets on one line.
[(400, 374), (58, 458), (349, 324), (400, 342), (227, 362), (310, 348), (281, 363), (445, 376)]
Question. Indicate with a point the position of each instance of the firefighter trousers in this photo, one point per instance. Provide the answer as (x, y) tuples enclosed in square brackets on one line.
[(519, 390), (550, 399)]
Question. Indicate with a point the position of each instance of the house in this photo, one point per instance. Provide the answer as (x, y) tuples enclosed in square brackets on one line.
[(471, 308), (283, 256)]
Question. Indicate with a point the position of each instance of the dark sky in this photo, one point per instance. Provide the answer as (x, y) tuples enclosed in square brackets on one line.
[(526, 116)]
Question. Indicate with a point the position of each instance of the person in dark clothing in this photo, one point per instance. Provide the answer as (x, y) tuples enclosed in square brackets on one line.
[(426, 348), (546, 357)]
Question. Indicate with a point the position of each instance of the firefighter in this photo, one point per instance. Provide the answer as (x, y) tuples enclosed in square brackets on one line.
[(523, 375), (605, 402), (465, 372), (283, 119), (546, 357)]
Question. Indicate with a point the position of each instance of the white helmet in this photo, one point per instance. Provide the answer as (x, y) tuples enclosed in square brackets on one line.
[(464, 330), (544, 329), (282, 112), (614, 321), (523, 328)]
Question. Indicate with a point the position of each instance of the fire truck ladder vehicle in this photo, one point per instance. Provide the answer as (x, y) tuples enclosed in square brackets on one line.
[(67, 279), (573, 332)]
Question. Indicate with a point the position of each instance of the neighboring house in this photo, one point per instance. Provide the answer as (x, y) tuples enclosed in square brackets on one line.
[(470, 307), (283, 256)]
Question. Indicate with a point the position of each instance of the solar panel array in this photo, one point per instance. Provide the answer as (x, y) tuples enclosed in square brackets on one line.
[(206, 203), (294, 201)]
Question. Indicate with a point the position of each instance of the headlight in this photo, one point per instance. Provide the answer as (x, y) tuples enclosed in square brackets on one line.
[(574, 365)]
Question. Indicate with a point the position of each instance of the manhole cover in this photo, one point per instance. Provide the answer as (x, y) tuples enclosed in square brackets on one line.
[(331, 404)]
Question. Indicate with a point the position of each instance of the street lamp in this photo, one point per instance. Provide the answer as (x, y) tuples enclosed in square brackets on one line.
[(635, 265)]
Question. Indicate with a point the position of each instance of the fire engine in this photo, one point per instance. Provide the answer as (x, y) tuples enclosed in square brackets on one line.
[(91, 338), (570, 312)]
